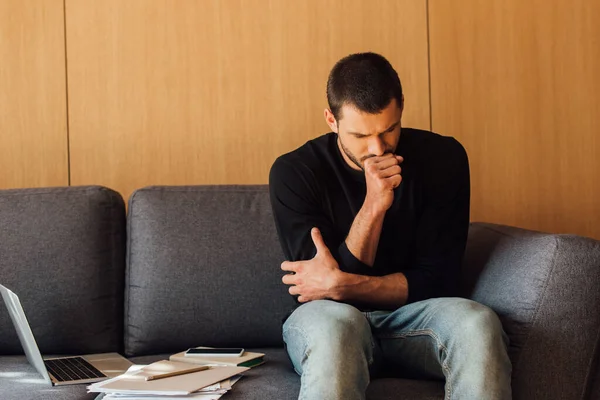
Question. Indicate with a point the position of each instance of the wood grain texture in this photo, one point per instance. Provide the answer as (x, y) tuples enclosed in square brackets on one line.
[(211, 92), (33, 119), (518, 84)]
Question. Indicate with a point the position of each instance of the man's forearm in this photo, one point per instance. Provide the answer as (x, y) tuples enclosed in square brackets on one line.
[(363, 238), (387, 292)]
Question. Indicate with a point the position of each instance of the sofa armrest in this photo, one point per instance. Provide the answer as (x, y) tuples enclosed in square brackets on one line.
[(546, 290)]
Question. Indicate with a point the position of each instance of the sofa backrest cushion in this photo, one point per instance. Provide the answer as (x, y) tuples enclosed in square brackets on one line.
[(203, 269), (62, 251)]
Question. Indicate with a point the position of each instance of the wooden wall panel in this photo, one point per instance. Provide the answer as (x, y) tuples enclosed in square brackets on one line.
[(33, 120), (519, 84), (211, 92)]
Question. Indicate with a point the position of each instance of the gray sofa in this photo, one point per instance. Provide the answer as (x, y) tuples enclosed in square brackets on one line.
[(191, 266)]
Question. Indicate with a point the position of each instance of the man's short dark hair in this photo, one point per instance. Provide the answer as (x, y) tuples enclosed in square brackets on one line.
[(366, 81)]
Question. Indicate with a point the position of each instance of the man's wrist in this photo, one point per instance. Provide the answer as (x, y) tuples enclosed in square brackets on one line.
[(337, 290), (345, 282), (372, 211)]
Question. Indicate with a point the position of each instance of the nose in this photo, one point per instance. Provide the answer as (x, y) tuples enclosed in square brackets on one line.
[(376, 146)]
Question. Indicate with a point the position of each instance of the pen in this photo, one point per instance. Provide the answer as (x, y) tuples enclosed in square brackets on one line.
[(175, 373)]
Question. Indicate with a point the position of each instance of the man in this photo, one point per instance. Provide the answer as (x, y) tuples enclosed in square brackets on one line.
[(373, 219)]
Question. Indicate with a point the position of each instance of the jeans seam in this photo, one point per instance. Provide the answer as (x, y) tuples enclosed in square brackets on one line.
[(430, 333), (371, 359), (304, 355)]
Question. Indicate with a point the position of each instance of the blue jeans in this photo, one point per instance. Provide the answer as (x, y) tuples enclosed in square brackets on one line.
[(337, 349)]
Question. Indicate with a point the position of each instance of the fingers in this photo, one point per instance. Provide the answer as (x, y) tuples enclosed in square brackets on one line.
[(289, 279), (385, 161), (378, 163), (292, 279), (385, 179), (395, 181), (317, 239), (383, 167), (290, 266), (391, 171), (293, 290)]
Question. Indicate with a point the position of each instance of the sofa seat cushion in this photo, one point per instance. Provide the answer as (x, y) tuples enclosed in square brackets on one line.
[(19, 381)]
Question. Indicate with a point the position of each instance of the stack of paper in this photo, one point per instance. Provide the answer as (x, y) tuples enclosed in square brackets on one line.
[(248, 359), (208, 384)]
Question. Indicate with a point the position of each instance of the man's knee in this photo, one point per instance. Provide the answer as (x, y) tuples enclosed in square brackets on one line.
[(328, 327), (475, 323), (329, 319)]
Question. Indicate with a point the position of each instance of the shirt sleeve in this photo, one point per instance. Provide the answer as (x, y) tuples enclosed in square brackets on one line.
[(297, 208), (442, 229)]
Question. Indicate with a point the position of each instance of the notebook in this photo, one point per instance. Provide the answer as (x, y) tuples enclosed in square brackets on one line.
[(136, 383), (166, 369)]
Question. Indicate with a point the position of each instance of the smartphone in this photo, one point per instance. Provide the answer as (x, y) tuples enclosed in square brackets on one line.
[(216, 352)]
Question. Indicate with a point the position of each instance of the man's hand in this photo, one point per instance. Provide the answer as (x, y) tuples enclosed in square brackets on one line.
[(316, 278), (382, 175)]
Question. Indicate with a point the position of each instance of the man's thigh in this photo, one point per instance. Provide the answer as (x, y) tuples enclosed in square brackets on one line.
[(417, 339), (328, 329)]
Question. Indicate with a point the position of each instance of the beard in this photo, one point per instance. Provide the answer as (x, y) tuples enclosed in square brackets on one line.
[(351, 156), (358, 162)]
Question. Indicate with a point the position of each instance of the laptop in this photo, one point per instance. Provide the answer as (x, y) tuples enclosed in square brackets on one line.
[(61, 370)]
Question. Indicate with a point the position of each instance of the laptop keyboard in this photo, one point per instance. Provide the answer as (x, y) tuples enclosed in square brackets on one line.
[(72, 369)]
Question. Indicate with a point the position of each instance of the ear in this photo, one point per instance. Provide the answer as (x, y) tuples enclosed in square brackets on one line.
[(330, 119), (402, 105)]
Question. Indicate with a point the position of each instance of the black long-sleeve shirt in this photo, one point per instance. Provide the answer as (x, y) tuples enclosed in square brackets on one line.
[(424, 231)]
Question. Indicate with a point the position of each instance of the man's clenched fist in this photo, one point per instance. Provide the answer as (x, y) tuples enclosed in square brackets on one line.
[(383, 175)]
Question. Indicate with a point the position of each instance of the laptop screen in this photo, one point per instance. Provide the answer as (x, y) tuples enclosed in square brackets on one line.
[(15, 310)]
